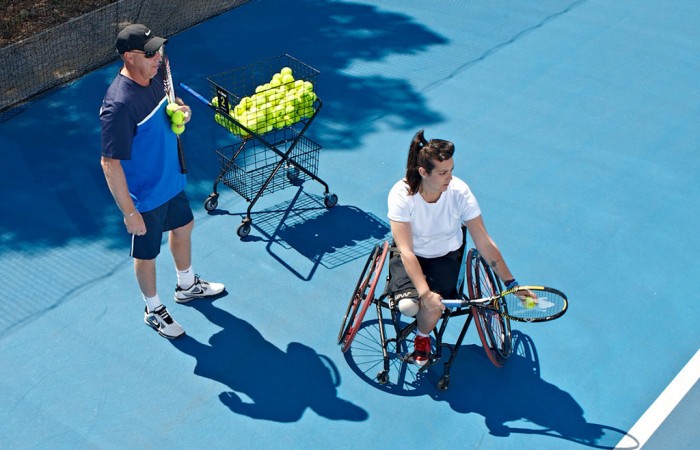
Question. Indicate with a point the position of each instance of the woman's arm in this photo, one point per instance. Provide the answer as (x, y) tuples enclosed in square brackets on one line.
[(488, 248), (403, 238)]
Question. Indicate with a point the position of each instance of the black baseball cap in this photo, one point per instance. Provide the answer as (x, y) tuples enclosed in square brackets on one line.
[(138, 37)]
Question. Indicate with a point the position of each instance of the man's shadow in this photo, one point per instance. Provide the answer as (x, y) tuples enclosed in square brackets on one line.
[(265, 381)]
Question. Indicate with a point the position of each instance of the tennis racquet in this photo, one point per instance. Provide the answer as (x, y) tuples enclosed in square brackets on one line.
[(522, 303), (170, 93)]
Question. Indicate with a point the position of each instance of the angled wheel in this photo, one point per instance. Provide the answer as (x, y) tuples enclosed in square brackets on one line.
[(365, 357), (362, 296), (243, 229), (330, 200), (211, 202), (494, 329)]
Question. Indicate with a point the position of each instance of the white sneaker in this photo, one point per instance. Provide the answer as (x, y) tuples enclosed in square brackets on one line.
[(160, 320), (199, 289)]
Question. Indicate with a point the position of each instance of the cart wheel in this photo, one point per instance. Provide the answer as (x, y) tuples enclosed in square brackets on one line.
[(444, 383), (331, 200), (382, 377), (243, 229), (292, 173), (211, 202)]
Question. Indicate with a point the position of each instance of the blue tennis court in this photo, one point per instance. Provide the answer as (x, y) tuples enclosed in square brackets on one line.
[(575, 125)]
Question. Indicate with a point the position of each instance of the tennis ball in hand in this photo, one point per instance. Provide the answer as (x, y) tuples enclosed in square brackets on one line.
[(171, 108), (530, 302), (177, 129), (178, 117)]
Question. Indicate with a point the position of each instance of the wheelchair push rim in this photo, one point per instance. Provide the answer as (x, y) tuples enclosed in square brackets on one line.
[(362, 296)]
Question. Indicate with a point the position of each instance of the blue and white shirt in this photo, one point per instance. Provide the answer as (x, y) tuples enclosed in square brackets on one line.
[(136, 130)]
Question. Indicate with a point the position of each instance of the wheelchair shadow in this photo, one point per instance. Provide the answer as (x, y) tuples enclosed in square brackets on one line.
[(513, 393), (266, 382), (517, 393), (303, 226)]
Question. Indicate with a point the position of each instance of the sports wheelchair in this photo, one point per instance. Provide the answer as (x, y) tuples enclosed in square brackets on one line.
[(492, 326)]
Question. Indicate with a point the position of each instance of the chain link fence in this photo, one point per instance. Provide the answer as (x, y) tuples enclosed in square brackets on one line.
[(65, 52)]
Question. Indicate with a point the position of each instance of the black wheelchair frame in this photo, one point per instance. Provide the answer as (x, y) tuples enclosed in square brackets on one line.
[(493, 327)]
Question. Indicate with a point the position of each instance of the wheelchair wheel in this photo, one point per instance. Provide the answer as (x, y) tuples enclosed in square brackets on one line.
[(494, 329), (362, 296), (365, 358)]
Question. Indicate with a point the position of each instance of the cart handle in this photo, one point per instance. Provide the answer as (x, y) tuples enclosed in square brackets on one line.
[(195, 93)]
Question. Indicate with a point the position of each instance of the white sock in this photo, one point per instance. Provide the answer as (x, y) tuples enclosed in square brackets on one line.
[(419, 333), (185, 278), (152, 302)]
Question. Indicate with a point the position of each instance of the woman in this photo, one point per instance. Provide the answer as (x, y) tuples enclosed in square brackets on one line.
[(427, 210)]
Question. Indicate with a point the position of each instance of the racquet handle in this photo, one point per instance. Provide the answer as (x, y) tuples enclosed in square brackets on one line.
[(456, 303), (453, 303)]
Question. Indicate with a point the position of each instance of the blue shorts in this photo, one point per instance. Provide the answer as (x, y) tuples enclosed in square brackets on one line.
[(174, 214)]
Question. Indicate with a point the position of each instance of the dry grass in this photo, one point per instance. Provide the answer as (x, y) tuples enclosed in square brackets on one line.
[(20, 19)]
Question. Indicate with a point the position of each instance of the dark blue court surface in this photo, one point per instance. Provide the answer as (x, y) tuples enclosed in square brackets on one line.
[(576, 124)]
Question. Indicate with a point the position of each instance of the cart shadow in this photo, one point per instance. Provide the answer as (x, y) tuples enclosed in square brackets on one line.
[(515, 392), (266, 382), (304, 226)]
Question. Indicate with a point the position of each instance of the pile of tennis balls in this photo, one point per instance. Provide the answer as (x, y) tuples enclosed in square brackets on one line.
[(279, 103), (177, 118)]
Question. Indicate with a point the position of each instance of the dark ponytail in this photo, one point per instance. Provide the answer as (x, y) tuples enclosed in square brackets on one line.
[(422, 153)]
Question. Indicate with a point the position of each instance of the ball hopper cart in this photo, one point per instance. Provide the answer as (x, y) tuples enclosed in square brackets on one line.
[(267, 107)]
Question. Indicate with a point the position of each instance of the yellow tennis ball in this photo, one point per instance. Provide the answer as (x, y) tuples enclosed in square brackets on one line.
[(530, 302), (171, 108), (288, 79), (178, 117), (177, 129)]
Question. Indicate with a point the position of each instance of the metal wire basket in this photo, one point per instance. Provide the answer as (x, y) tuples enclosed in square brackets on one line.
[(247, 166), (265, 96)]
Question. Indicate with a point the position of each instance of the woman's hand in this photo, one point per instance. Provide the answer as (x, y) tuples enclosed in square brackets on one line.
[(432, 303)]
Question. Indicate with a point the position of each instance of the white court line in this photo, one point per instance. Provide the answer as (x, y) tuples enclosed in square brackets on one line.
[(662, 406)]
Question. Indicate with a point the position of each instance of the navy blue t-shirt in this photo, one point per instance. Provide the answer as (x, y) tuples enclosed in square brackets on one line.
[(136, 130)]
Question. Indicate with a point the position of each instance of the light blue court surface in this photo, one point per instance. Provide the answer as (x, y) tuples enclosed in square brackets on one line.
[(576, 125)]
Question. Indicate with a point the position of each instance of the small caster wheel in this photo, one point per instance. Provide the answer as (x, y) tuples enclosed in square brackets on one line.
[(444, 383), (330, 200), (211, 202), (292, 173), (382, 377), (243, 229)]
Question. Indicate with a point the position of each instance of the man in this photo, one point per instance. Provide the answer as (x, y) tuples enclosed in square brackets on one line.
[(142, 169)]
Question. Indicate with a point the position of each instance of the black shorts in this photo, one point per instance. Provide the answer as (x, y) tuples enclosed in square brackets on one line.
[(174, 214), (441, 273)]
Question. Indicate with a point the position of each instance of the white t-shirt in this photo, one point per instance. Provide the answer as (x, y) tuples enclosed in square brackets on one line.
[(436, 227)]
